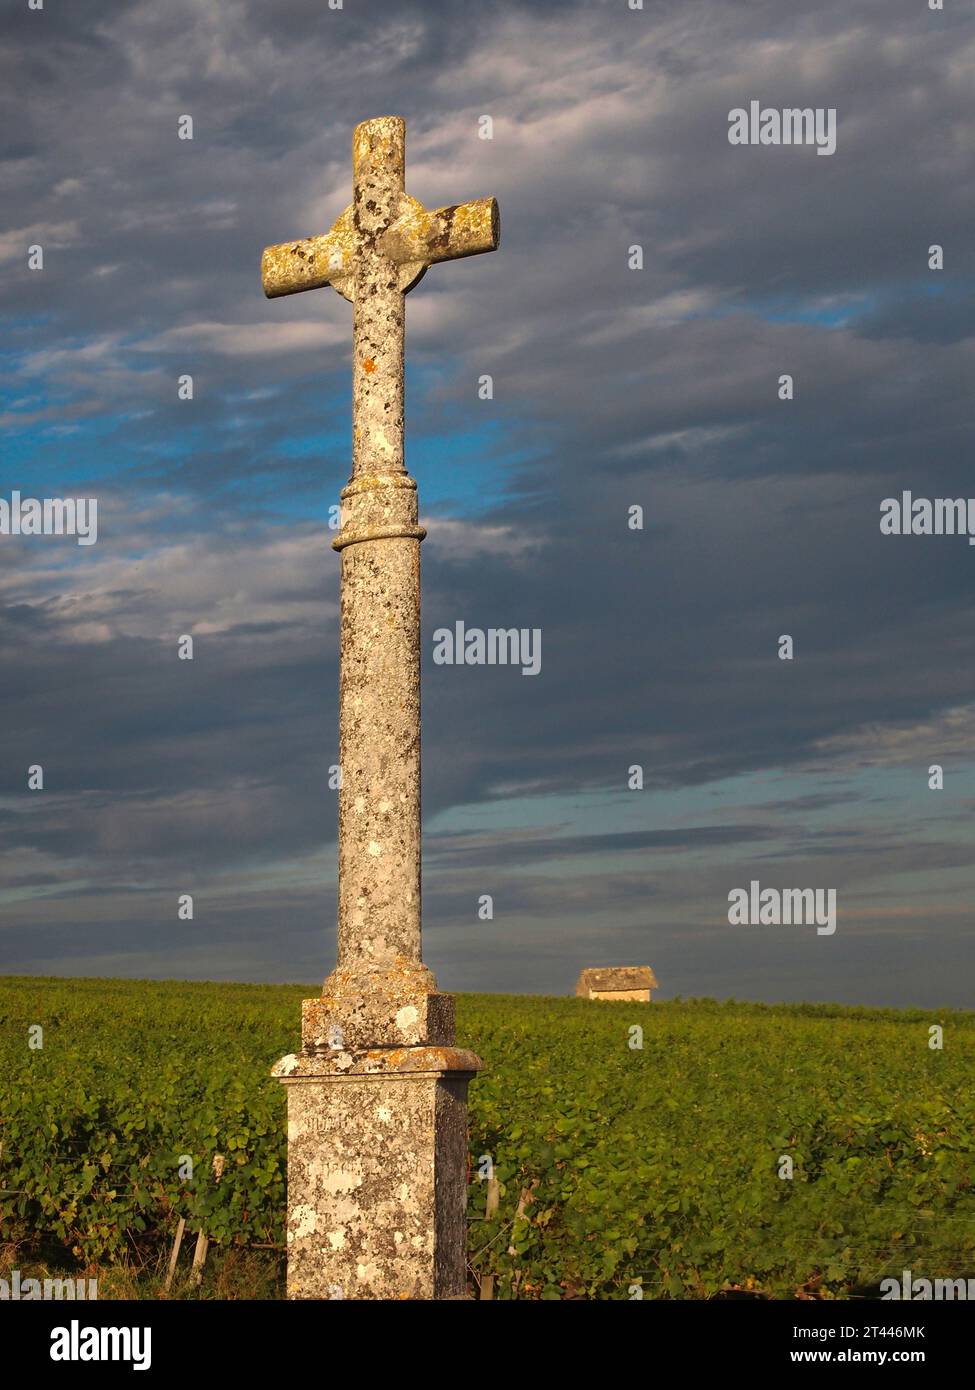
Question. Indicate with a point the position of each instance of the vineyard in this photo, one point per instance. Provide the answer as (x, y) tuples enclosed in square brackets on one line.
[(622, 1170)]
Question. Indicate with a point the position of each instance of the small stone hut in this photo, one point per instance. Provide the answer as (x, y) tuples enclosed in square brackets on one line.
[(617, 982)]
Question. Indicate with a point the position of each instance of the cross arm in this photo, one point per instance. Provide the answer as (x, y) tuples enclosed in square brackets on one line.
[(416, 236), (310, 263), (446, 234)]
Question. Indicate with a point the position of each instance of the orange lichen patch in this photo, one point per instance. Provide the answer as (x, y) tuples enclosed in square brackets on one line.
[(369, 366)]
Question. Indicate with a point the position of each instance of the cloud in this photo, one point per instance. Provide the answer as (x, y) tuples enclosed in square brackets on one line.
[(15, 244), (950, 734), (247, 339)]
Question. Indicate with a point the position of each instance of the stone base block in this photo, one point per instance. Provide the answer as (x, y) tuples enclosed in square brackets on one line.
[(377, 1172), (392, 1008)]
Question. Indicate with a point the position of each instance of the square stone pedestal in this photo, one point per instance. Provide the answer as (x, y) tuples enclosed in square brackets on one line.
[(377, 1172)]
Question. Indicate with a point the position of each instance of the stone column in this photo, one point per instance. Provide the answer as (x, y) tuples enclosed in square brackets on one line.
[(377, 1117)]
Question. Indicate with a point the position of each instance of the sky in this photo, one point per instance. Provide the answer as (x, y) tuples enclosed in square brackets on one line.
[(613, 388)]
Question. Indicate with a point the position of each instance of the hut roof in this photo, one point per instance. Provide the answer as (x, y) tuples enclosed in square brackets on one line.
[(612, 977)]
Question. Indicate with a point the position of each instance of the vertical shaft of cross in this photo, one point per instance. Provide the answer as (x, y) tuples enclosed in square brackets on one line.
[(378, 328), (379, 693)]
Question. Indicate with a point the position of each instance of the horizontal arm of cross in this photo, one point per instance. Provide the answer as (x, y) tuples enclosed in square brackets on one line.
[(446, 234)]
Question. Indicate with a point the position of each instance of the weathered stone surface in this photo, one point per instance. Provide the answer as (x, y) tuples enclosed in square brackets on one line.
[(415, 239), (433, 1061), (377, 1175), (356, 1011), (310, 263), (379, 724), (377, 1097), (621, 982), (412, 239)]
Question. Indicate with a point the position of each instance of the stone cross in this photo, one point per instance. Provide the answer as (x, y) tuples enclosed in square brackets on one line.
[(377, 1097)]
